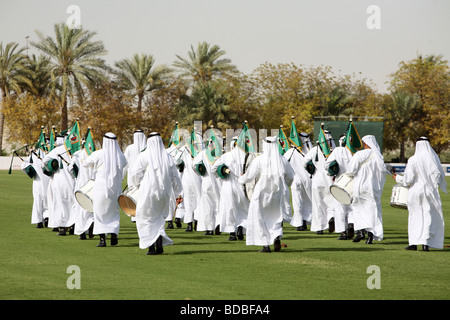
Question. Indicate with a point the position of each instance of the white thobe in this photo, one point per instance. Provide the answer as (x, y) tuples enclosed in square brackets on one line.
[(61, 189), (265, 213), (105, 204), (425, 219)]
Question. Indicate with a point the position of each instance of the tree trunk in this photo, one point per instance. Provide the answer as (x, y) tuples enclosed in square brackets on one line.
[(2, 121), (64, 117), (402, 150)]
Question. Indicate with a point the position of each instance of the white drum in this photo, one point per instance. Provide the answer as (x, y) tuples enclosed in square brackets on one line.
[(249, 186), (85, 196), (342, 189), (128, 201), (399, 197)]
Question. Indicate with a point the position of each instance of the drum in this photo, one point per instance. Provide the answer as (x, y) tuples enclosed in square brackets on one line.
[(85, 196), (30, 171), (342, 189), (223, 171), (128, 201), (200, 168), (52, 166), (399, 197)]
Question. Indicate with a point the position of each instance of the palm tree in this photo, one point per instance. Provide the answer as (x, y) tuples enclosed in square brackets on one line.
[(40, 76), (139, 76), (13, 76), (204, 63), (75, 62)]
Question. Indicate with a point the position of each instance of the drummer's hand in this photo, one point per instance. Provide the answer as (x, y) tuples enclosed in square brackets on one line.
[(394, 175)]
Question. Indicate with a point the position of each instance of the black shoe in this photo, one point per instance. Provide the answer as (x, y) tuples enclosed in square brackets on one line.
[(319, 232), (62, 232), (195, 225), (217, 230), (102, 240), (178, 222), (277, 244), (232, 237), (151, 250), (360, 235), (114, 240), (411, 247), (159, 246), (40, 225), (343, 236), (46, 222), (240, 233), (350, 231), (72, 230), (55, 229), (82, 236), (331, 225), (169, 225), (265, 249), (208, 233), (425, 248), (369, 238), (189, 227)]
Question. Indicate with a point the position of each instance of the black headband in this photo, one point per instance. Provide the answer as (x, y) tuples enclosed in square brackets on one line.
[(153, 134), (423, 139), (113, 138)]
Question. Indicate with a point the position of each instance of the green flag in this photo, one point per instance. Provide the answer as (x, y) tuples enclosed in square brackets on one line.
[(245, 141), (283, 144), (323, 142), (352, 140), (194, 144), (294, 137), (213, 148), (42, 143), (52, 139), (89, 144), (175, 137), (73, 141)]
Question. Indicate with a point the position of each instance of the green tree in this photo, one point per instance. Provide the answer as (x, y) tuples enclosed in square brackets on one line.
[(75, 63), (13, 76), (428, 77), (204, 64), (139, 76)]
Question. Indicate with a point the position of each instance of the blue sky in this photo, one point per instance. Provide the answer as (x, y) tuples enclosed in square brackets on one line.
[(308, 32)]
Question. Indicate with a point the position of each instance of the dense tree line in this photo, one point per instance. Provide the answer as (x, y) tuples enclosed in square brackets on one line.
[(69, 80)]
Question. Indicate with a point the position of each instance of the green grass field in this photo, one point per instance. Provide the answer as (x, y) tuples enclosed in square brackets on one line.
[(34, 262)]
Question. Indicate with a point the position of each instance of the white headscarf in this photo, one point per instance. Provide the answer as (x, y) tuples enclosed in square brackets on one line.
[(113, 159), (139, 140), (59, 141), (373, 144), (273, 164), (159, 161), (429, 164)]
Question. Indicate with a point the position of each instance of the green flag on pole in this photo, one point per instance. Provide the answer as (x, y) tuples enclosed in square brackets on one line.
[(283, 144), (42, 143), (89, 144), (323, 142), (352, 140), (294, 137), (245, 141), (194, 144), (73, 141), (213, 148), (52, 139), (175, 137)]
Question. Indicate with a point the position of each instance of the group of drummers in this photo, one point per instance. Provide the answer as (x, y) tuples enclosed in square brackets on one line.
[(215, 188)]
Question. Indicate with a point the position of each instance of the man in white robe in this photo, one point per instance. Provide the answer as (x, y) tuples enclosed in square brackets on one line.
[(108, 164), (369, 172), (265, 214), (209, 201), (156, 175), (131, 153), (83, 219), (343, 218), (321, 197), (61, 189), (40, 184), (424, 175), (233, 205), (300, 190)]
